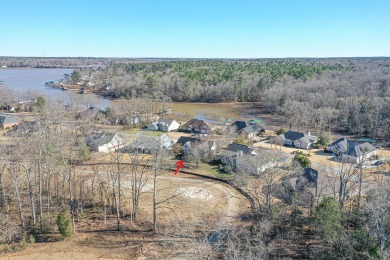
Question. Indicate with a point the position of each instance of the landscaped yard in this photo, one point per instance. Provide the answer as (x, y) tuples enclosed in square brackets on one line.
[(209, 170), (316, 155)]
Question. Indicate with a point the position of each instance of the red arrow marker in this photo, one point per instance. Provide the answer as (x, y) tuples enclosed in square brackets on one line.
[(178, 165)]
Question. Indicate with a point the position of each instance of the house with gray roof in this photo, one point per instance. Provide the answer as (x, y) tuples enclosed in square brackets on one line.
[(7, 121), (254, 164), (352, 151), (149, 143), (104, 142), (235, 150), (247, 128), (239, 157), (90, 113), (249, 132), (317, 183), (299, 140), (26, 128), (240, 124), (164, 125), (189, 143), (229, 155)]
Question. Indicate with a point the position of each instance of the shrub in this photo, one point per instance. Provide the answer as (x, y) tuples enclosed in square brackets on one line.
[(6, 248), (178, 149), (21, 246), (280, 131), (240, 140), (328, 219), (317, 146), (41, 102), (302, 160), (375, 157), (325, 138), (84, 153), (30, 239), (64, 224)]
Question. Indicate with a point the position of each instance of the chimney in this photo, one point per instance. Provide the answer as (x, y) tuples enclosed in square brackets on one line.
[(308, 133)]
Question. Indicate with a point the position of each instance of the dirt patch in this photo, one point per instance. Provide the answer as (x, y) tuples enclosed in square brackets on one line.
[(195, 193), (176, 135)]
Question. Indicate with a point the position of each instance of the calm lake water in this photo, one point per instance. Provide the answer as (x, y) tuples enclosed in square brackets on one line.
[(21, 79)]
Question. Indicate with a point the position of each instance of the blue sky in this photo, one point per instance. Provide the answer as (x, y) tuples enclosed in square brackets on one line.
[(198, 29)]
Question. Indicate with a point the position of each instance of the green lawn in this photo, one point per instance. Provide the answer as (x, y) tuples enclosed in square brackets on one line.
[(153, 133), (132, 131), (150, 133), (215, 172)]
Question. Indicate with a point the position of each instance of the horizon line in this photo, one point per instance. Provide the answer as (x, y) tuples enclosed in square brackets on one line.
[(183, 58)]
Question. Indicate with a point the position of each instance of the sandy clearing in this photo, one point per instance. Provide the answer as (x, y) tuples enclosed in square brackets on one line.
[(234, 200), (194, 193), (115, 246)]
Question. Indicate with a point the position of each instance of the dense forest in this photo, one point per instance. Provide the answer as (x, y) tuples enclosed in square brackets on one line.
[(205, 80), (342, 94), (55, 62)]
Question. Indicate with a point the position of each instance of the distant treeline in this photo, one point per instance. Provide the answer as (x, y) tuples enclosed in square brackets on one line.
[(55, 62)]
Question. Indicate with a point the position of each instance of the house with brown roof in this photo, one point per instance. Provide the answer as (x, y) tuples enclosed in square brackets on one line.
[(197, 126)]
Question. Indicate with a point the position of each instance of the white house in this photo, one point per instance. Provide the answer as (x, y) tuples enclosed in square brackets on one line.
[(249, 132), (104, 142), (189, 143), (242, 158), (299, 140), (149, 143), (351, 151), (164, 125), (235, 150), (254, 165)]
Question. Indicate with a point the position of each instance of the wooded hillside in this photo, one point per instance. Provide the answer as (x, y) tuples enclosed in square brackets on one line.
[(339, 94)]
